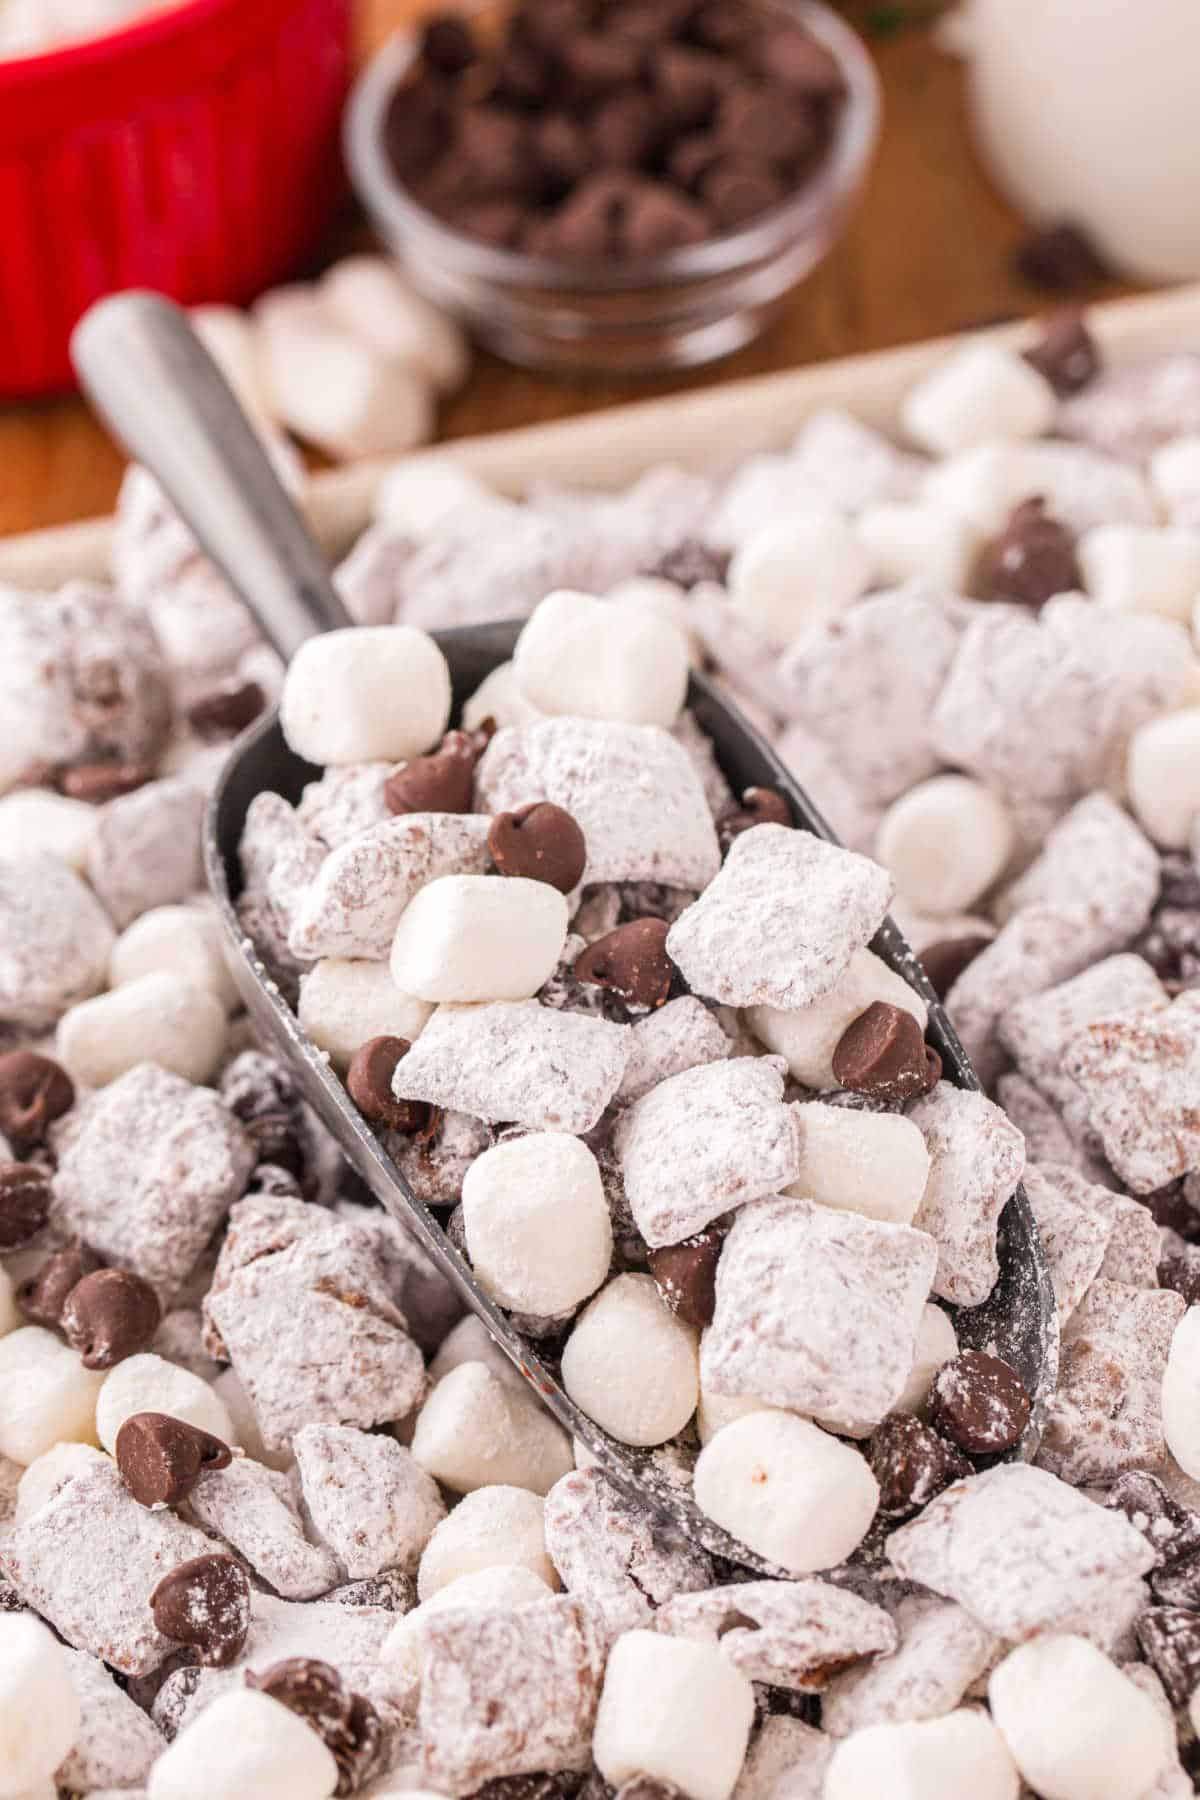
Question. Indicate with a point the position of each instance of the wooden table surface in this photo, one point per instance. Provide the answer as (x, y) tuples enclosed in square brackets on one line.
[(929, 250)]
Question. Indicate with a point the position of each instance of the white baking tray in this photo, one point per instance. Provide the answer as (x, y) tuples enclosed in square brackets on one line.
[(611, 448)]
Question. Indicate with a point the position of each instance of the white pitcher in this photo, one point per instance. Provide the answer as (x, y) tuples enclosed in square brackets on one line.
[(1089, 111)]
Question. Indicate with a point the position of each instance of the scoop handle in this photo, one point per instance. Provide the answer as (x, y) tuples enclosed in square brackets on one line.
[(162, 395)]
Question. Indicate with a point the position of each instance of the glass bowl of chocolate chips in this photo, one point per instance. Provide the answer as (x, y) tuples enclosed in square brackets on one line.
[(615, 185)]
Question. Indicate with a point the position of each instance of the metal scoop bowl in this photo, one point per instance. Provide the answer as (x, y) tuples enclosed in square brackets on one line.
[(157, 388)]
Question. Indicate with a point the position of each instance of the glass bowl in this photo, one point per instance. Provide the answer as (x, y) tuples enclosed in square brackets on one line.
[(671, 311)]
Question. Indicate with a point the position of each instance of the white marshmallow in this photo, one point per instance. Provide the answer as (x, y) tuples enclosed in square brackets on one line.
[(148, 1383), (912, 540), (631, 1364), (715, 1411), (788, 1490), (666, 598), (35, 819), (808, 1038), (870, 1163), (185, 941), (423, 495), (231, 339), (1175, 478), (471, 1341), (945, 842), (1077, 1728), (1162, 775), (467, 938), (1142, 568), (39, 1708), (243, 1743), (46, 1395), (538, 1228), (502, 1584), (477, 1431), (792, 576), (330, 387), (602, 659), (1181, 1394), (49, 1472), (499, 697), (366, 694), (155, 1018), (490, 1526), (929, 1759), (344, 1002), (10, 1314), (370, 298), (936, 1345), (676, 1710), (979, 393)]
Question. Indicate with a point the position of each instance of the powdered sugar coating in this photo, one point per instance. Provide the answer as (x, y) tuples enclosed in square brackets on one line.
[(435, 1167), (940, 1653), (348, 799), (791, 1634), (368, 1498), (681, 1035), (55, 941), (145, 849), (1098, 864), (614, 1556), (1075, 1233), (786, 1761), (254, 1510), (1038, 948), (977, 1160), (1036, 1031), (116, 1743), (1140, 1076)]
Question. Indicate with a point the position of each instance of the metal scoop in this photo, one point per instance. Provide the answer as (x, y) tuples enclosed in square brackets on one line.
[(149, 377)]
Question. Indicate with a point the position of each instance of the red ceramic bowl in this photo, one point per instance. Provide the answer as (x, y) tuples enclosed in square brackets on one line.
[(195, 151)]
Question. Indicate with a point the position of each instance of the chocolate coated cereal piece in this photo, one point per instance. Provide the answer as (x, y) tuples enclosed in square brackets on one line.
[(539, 841), (940, 1654), (367, 1497), (1169, 1637), (681, 1035), (977, 1160), (34, 1091), (614, 1556), (1140, 1074), (205, 1605), (1036, 1031), (24, 1203), (255, 1510), (55, 940), (790, 1634), (161, 1458), (1075, 1231), (145, 850), (116, 1743), (980, 1403), (108, 1315)]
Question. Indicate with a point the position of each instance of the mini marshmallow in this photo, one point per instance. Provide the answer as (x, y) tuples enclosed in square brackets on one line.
[(46, 1395), (602, 659), (493, 1525), (184, 941), (343, 1003), (910, 540), (653, 593), (1181, 1394), (631, 1364), (332, 388), (807, 1038), (1143, 568), (471, 1341), (863, 1162), (1077, 1728), (244, 1742), (980, 392), (791, 576), (369, 297), (945, 843), (147, 1383), (714, 1411), (368, 694), (477, 1431), (39, 1708), (936, 1344), (538, 1229), (424, 496), (10, 1316), (931, 1759), (675, 1711), (1163, 775), (37, 820), (469, 938), (230, 337), (1175, 479), (48, 1473), (496, 1585), (156, 1018), (499, 697), (787, 1490)]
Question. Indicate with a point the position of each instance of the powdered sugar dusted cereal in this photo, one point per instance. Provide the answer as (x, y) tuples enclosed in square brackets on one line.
[(55, 941), (1140, 1075), (976, 1160), (368, 1498), (791, 1634), (939, 1653), (254, 1509), (612, 1554), (145, 850)]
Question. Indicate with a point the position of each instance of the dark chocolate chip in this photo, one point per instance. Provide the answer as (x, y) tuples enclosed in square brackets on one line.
[(767, 123), (980, 1403), (691, 158), (686, 1276), (596, 63), (624, 131), (1178, 1584), (561, 149), (945, 960), (739, 188), (227, 710), (369, 1085), (205, 1604), (24, 1203), (692, 562), (1169, 1637), (34, 1091), (1031, 561), (162, 1458), (44, 1295), (448, 43), (883, 1053), (416, 128), (346, 1723), (391, 1589), (688, 83), (1172, 1531), (657, 220), (443, 781), (1060, 258), (540, 842), (797, 61), (630, 962), (1066, 354), (102, 781), (109, 1315), (726, 24), (912, 1464), (760, 806)]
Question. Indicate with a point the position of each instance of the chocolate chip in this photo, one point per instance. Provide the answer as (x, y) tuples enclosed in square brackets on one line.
[(686, 1276), (595, 63), (760, 806), (34, 1091), (725, 24), (767, 123), (369, 1085), (44, 1295), (226, 710), (274, 1135), (688, 84), (1061, 258), (541, 842), (109, 1315), (630, 962), (24, 1203), (562, 152), (391, 1589), (692, 562), (1178, 1584), (162, 1458), (205, 1604), (657, 220), (443, 781), (346, 1723), (103, 781), (1066, 354), (797, 61), (625, 130), (1169, 1637), (883, 1053), (448, 43), (912, 1464), (1171, 1529), (979, 1402), (944, 961), (739, 188), (1032, 559)]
